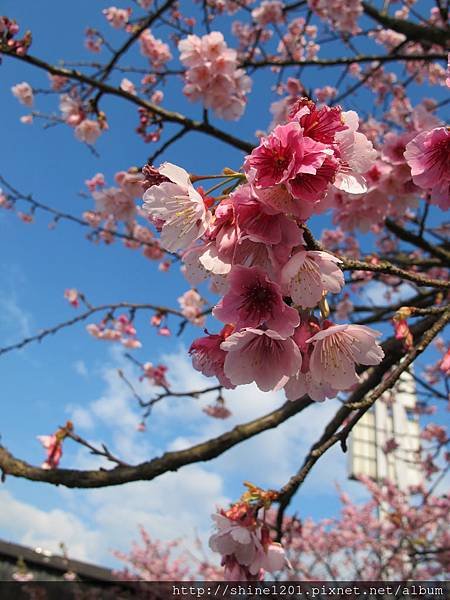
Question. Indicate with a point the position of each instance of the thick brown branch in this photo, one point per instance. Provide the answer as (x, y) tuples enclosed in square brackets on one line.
[(420, 242), (344, 60), (389, 269), (170, 461), (412, 31)]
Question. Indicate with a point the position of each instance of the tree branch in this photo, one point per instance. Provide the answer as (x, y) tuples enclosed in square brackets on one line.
[(344, 60), (170, 461), (428, 328), (412, 31), (85, 315), (165, 115)]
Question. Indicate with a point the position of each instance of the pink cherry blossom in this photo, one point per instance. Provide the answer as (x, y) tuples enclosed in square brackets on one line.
[(320, 124), (53, 446), (117, 17), (156, 375), (192, 305), (57, 81), (338, 348), (72, 295), (88, 131), (178, 204), (303, 382), (277, 157), (71, 110), (157, 52), (245, 545), (218, 410), (428, 155), (213, 76), (102, 333), (269, 11), (342, 16), (309, 274), (357, 155), (98, 181), (130, 182), (208, 357), (284, 155), (344, 308), (248, 352), (128, 86), (253, 300), (24, 93), (114, 202)]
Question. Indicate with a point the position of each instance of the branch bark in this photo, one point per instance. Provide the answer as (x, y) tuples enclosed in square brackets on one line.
[(170, 461), (412, 31)]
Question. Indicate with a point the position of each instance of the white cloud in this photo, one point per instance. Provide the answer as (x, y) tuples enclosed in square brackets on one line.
[(81, 368), (15, 321)]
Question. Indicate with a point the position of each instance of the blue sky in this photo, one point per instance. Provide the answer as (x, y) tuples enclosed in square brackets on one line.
[(72, 375)]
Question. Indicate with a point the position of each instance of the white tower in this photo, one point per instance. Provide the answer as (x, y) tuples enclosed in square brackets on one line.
[(391, 418)]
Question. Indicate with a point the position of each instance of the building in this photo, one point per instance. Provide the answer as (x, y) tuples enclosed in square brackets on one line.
[(392, 422), (43, 565)]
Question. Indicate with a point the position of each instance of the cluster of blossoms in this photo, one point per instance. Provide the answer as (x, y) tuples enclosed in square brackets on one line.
[(192, 305), (243, 538), (8, 32), (298, 42), (342, 16), (250, 245), (212, 75), (412, 161), (114, 205), (156, 375), (24, 93), (117, 17), (53, 445), (119, 329), (75, 115), (73, 297), (157, 52)]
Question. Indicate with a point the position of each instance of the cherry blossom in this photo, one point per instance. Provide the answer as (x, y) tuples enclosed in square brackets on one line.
[(213, 76), (72, 296), (247, 355), (357, 155), (310, 274), (88, 131), (54, 450), (157, 52), (243, 538), (269, 11), (252, 300), (428, 156), (114, 202), (179, 206), (192, 305), (338, 348), (117, 17), (24, 93), (208, 356)]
